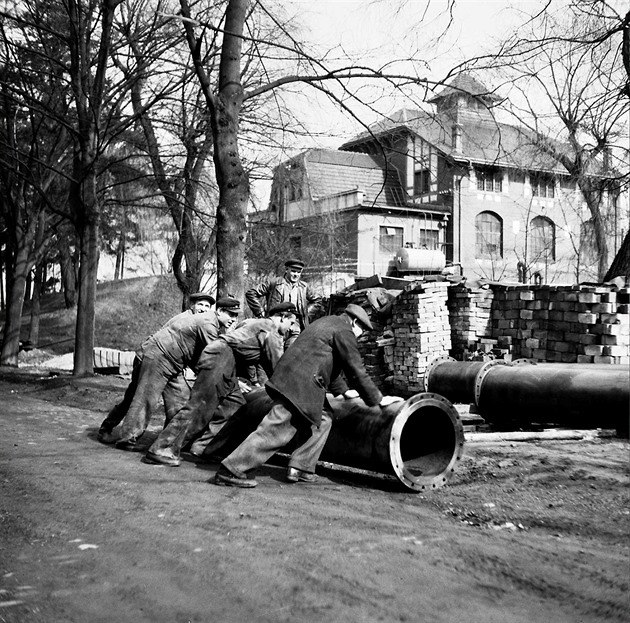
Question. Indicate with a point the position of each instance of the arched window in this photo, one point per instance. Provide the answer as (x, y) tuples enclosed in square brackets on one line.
[(542, 239), (489, 234)]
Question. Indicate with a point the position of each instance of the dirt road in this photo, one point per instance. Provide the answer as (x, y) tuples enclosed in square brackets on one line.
[(524, 532)]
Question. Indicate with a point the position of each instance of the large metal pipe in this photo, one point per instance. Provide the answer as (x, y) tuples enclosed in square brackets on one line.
[(419, 440), (571, 394)]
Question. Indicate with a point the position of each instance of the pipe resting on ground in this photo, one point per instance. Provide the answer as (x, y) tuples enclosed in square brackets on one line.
[(419, 440)]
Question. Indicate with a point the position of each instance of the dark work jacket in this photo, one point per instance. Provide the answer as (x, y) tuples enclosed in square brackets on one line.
[(263, 297), (314, 365), (253, 341), (182, 339)]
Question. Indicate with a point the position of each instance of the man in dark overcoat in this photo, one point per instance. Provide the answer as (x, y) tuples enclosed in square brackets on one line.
[(323, 354)]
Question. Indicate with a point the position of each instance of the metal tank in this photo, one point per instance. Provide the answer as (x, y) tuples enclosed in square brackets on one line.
[(409, 260)]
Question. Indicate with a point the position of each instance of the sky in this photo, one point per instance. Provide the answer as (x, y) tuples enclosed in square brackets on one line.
[(377, 31)]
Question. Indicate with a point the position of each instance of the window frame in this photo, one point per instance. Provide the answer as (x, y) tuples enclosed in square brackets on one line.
[(383, 246), (489, 179), (539, 245), (484, 238)]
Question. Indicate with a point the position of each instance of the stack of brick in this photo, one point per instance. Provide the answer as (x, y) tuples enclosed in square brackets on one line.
[(568, 324), (470, 316), (374, 346), (420, 324)]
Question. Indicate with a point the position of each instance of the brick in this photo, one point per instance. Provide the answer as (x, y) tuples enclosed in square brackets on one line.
[(594, 350), (603, 308), (609, 297), (603, 359), (584, 359), (588, 297), (616, 351), (587, 318)]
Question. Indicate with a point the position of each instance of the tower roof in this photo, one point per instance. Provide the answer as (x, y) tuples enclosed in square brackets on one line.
[(465, 83)]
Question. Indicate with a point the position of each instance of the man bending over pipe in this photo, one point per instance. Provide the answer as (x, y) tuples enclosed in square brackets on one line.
[(312, 366), (216, 395)]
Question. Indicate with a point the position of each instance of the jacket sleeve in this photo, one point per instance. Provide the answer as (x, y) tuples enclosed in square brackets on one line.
[(254, 297), (273, 349), (353, 368)]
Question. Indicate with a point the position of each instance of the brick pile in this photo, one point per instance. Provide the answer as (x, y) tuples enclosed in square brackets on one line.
[(568, 324), (470, 316), (421, 330)]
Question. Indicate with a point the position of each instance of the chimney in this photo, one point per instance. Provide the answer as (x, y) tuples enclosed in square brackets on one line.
[(457, 137)]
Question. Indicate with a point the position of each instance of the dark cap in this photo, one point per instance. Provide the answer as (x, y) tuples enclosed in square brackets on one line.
[(202, 296), (282, 308), (295, 264), (229, 304), (357, 312)]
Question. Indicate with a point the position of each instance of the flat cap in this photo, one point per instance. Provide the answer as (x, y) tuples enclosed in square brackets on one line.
[(357, 312), (282, 308), (202, 296), (230, 304), (293, 263)]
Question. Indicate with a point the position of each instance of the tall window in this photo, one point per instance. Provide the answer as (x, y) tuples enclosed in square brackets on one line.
[(489, 235), (489, 179), (542, 239), (421, 182), (390, 239), (543, 185)]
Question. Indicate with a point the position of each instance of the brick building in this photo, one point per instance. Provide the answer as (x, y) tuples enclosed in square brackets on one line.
[(453, 186)]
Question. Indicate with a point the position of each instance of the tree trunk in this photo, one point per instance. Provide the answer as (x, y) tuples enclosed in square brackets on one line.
[(68, 277), (620, 266), (16, 288), (593, 198), (38, 287), (85, 200), (232, 179)]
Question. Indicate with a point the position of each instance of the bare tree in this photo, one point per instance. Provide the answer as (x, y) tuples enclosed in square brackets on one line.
[(226, 95), (569, 70)]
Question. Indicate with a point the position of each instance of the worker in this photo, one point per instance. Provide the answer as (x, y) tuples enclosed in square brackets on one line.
[(165, 355), (177, 390), (253, 341), (323, 354), (288, 288)]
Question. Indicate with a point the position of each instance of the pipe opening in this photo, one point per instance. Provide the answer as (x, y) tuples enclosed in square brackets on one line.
[(427, 439)]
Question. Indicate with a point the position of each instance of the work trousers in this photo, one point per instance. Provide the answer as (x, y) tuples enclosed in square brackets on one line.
[(155, 374), (175, 395), (214, 398), (276, 430)]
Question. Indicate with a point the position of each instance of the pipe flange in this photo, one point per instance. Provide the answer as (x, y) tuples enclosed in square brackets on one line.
[(433, 481), (481, 375), (434, 363), (523, 361)]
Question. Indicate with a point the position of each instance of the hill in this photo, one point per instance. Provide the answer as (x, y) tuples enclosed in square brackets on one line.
[(127, 311)]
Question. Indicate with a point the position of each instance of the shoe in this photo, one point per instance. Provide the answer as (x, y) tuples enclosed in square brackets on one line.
[(107, 437), (228, 479), (127, 444), (297, 475), (162, 458)]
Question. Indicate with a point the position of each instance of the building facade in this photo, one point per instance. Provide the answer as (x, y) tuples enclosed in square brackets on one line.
[(452, 187)]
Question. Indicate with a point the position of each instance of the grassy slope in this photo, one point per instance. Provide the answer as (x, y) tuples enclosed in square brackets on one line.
[(127, 312)]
